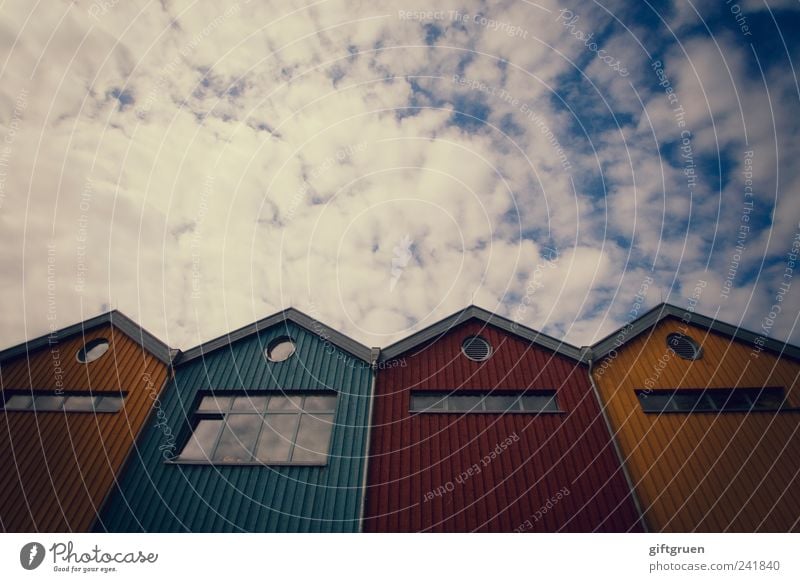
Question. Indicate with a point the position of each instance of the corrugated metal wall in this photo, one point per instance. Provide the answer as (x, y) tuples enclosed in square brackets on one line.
[(58, 467), (701, 471), (413, 455), (155, 496)]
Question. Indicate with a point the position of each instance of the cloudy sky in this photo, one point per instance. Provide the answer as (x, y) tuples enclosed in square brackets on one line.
[(382, 165)]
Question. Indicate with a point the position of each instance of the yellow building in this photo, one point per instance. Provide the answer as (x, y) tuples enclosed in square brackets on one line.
[(707, 418), (73, 403)]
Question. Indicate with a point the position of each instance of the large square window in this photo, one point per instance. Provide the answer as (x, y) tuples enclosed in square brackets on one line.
[(281, 429)]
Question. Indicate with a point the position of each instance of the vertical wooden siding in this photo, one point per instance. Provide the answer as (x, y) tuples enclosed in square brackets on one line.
[(706, 471), (413, 454), (158, 496), (58, 467)]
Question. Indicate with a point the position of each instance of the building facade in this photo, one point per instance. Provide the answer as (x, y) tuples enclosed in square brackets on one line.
[(483, 425), (707, 418), (261, 430), (73, 403)]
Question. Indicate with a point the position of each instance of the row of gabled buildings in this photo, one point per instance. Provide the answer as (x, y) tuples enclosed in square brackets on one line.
[(676, 422)]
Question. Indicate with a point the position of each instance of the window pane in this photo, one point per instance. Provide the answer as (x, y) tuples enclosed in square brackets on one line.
[(290, 403), (238, 438), (729, 399), (656, 401), (108, 404), (215, 403), (48, 402), (201, 443), (686, 402), (19, 402), (539, 403), (427, 403), (313, 439), (768, 399), (464, 403), (320, 403), (280, 350), (250, 403), (502, 402), (79, 404), (276, 438)]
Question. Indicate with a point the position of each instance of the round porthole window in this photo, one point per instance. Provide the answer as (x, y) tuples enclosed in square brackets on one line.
[(92, 350), (684, 346), (476, 348), (280, 349)]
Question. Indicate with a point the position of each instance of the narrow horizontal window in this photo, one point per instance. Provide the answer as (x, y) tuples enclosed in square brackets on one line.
[(72, 401), (489, 402), (713, 400), (281, 429)]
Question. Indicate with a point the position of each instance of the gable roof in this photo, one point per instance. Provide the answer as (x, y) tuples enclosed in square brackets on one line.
[(473, 312), (664, 310), (116, 318), (308, 323)]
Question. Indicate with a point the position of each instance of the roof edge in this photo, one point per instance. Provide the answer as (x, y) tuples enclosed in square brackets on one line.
[(474, 312), (317, 328), (633, 329), (114, 318)]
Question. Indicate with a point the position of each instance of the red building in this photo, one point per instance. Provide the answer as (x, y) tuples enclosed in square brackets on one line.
[(480, 424)]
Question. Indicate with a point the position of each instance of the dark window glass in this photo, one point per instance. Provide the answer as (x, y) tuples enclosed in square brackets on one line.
[(656, 401), (712, 400), (768, 399), (687, 401)]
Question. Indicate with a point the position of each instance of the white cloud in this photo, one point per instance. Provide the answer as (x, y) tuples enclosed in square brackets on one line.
[(226, 162)]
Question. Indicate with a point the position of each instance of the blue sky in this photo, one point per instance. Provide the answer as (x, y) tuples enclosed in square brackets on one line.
[(381, 165)]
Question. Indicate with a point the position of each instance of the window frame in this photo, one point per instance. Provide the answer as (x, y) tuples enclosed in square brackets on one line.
[(274, 343), (478, 337), (217, 414), (697, 349), (483, 394), (93, 343), (709, 406), (64, 395)]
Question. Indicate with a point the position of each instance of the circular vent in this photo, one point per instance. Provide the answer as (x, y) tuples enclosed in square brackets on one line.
[(92, 350), (280, 349), (683, 346), (476, 348)]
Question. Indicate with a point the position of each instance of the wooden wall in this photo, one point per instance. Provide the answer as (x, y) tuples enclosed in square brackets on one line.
[(58, 467), (706, 471), (414, 454)]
